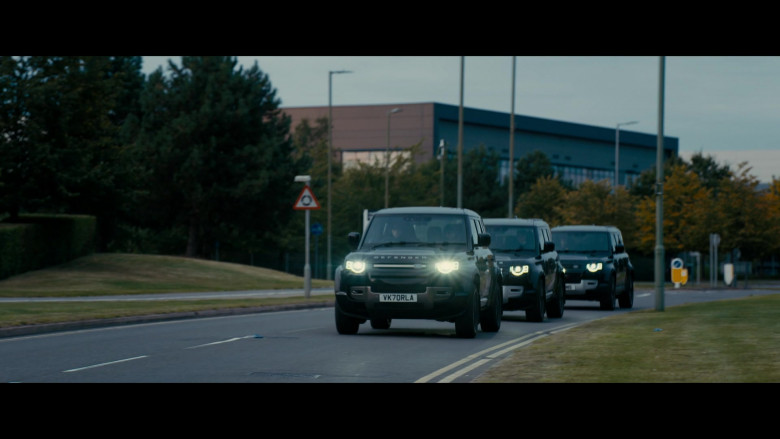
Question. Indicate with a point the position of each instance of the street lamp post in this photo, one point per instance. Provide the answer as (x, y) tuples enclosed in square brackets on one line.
[(387, 158), (330, 156), (512, 140), (617, 148)]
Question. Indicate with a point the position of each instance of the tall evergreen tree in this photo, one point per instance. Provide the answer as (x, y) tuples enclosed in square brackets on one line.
[(60, 123), (216, 151)]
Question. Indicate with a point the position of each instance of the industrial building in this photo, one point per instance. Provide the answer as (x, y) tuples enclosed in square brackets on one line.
[(363, 133)]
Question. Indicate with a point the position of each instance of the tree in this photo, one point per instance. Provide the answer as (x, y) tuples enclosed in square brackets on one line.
[(530, 168), (708, 170), (482, 192), (644, 185), (744, 222), (589, 204), (544, 199), (59, 127), (689, 215), (772, 199), (215, 149)]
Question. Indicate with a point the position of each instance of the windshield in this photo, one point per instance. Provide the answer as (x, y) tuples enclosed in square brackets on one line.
[(512, 238), (581, 242), (416, 229)]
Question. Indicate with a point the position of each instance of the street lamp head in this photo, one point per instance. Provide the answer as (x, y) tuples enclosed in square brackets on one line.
[(333, 72), (394, 110), (628, 123)]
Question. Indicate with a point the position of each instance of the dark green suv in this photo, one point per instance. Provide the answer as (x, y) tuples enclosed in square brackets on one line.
[(531, 273), (597, 265), (420, 263)]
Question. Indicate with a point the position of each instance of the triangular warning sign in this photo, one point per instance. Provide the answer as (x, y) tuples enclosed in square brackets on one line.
[(306, 200)]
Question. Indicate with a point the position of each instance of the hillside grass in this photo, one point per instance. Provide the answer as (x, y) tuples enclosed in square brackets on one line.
[(108, 274)]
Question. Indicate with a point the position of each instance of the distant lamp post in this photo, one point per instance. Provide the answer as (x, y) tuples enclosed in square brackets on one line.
[(330, 155), (442, 157), (617, 149), (387, 158)]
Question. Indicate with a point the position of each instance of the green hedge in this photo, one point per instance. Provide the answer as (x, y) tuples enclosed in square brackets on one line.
[(38, 241)]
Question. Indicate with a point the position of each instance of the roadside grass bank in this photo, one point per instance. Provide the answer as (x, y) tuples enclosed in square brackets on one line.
[(108, 274), (729, 341)]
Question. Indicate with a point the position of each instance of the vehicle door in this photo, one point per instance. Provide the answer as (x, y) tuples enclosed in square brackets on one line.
[(619, 261), (483, 257), (548, 259)]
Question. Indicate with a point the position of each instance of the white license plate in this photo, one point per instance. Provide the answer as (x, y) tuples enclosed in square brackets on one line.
[(395, 297), (570, 287)]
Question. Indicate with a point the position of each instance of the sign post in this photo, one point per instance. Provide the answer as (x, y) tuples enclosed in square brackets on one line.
[(306, 201), (678, 277)]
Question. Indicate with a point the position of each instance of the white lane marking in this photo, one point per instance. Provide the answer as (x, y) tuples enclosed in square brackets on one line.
[(222, 341), (507, 347), (103, 364)]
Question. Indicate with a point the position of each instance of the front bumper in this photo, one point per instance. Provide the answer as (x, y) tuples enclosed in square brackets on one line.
[(438, 303), (584, 285)]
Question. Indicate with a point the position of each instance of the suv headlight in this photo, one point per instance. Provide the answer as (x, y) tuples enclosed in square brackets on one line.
[(446, 267), (356, 267), (518, 270), (594, 267)]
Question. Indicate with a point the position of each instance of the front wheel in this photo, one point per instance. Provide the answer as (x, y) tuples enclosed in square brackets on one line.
[(536, 312), (491, 318), (626, 300), (555, 307), (466, 325), (344, 323), (608, 298)]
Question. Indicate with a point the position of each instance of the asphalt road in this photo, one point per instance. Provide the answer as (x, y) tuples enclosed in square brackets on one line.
[(293, 346)]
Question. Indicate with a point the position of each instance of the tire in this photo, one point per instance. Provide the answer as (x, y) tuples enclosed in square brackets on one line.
[(344, 323), (466, 325), (626, 300), (555, 307), (608, 298), (383, 323), (490, 319), (536, 312)]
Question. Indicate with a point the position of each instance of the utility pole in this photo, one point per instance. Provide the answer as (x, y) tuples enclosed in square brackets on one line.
[(659, 199)]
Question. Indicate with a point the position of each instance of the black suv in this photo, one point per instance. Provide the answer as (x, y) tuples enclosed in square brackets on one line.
[(531, 273), (597, 265), (420, 263)]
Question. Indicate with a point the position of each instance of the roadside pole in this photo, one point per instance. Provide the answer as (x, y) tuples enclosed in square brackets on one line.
[(307, 202)]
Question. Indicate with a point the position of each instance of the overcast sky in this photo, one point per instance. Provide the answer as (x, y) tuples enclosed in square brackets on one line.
[(724, 106)]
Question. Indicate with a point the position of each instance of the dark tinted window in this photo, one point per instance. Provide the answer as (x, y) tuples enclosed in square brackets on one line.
[(582, 241)]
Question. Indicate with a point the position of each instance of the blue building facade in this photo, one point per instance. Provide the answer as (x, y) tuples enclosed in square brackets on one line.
[(578, 152)]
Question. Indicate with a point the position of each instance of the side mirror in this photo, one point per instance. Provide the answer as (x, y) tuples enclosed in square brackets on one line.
[(354, 239), (549, 246), (620, 248), (483, 239)]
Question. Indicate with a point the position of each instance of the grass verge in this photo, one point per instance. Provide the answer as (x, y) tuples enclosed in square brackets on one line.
[(730, 341), (106, 274)]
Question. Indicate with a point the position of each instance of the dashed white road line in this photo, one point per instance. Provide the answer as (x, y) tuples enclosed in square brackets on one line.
[(103, 364)]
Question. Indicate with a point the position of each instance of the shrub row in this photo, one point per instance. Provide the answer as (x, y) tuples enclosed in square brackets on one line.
[(38, 241)]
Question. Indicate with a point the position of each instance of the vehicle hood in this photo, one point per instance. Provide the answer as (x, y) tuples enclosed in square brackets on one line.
[(578, 258), (403, 254), (518, 258)]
